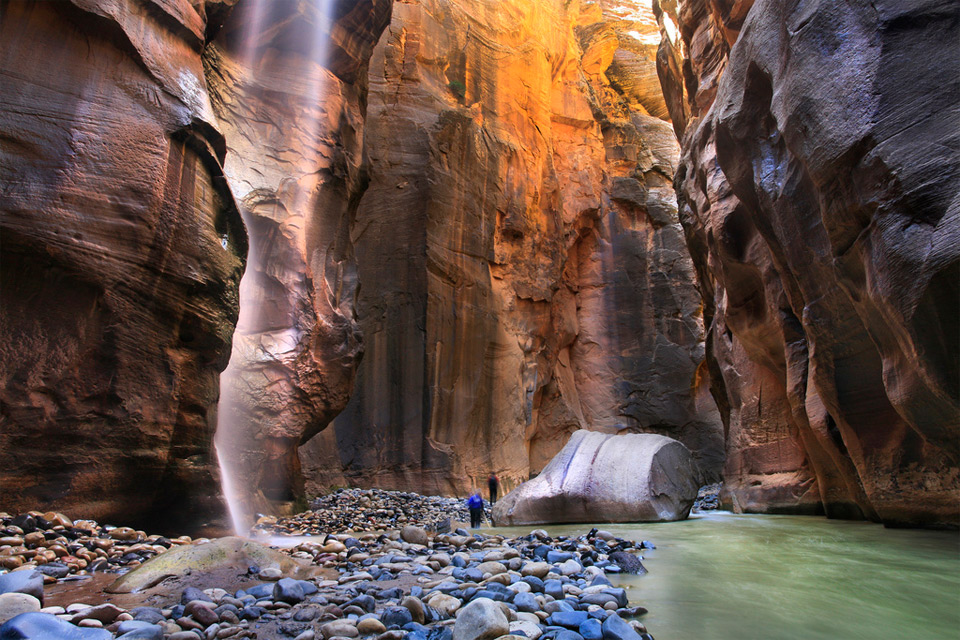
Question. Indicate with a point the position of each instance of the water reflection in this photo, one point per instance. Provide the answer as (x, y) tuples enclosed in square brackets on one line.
[(723, 576)]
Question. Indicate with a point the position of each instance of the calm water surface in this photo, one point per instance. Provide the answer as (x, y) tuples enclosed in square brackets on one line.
[(722, 576)]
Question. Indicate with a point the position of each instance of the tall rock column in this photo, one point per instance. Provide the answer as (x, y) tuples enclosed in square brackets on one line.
[(522, 269), (819, 188), (120, 255), (288, 83)]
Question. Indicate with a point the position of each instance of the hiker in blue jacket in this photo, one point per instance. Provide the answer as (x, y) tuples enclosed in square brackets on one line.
[(475, 504)]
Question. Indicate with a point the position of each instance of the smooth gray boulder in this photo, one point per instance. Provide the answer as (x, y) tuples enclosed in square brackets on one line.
[(601, 477), (482, 619), (13, 604)]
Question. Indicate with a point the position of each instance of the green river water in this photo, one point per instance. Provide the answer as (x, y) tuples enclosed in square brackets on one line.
[(721, 576)]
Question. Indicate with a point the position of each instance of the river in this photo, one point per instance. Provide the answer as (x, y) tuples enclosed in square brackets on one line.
[(720, 576)]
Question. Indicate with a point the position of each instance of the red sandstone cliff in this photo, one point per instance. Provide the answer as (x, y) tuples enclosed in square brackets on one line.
[(122, 245), (117, 300), (819, 194), (522, 270), (288, 86)]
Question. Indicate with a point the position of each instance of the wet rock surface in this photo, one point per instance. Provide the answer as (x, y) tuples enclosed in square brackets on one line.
[(708, 498), (374, 585)]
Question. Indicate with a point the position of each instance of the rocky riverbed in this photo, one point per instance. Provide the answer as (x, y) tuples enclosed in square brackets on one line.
[(406, 584), (370, 509), (708, 498)]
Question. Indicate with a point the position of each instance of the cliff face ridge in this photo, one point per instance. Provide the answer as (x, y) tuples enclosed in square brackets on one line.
[(288, 86), (522, 270), (122, 249), (818, 191), (128, 162)]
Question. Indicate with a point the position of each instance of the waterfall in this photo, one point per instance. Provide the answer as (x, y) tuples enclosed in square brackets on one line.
[(260, 379)]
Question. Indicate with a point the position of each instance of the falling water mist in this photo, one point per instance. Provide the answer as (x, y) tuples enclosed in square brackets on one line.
[(269, 337)]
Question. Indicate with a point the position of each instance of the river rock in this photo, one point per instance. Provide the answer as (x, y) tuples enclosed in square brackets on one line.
[(628, 562), (600, 477), (43, 626), (569, 619), (414, 535), (339, 628), (415, 607), (136, 625), (530, 629), (103, 613), (288, 590), (616, 628), (238, 553), (526, 602), (149, 632), (368, 626), (482, 619), (591, 629), (201, 612), (24, 581), (444, 604), (13, 604), (396, 616), (538, 569)]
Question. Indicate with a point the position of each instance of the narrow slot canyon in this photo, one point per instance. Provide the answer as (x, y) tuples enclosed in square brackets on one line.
[(314, 272)]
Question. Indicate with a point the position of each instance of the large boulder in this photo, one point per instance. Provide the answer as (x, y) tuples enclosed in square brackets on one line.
[(231, 555), (600, 477), (44, 626)]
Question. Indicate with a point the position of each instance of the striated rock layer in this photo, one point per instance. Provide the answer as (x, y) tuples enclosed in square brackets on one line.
[(288, 86), (820, 196), (522, 270), (117, 300), (125, 141), (599, 477)]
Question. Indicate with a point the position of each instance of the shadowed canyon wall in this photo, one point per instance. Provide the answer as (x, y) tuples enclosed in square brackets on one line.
[(125, 140), (117, 300), (819, 191), (522, 270)]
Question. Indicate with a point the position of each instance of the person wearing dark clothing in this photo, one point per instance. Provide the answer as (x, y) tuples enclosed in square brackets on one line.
[(475, 504), (493, 483)]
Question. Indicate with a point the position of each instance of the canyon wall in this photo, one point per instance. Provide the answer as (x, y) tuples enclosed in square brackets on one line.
[(288, 84), (137, 143), (818, 191), (522, 270), (121, 250)]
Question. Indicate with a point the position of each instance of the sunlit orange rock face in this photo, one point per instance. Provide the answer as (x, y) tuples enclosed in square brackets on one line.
[(819, 189), (521, 266), (118, 298)]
